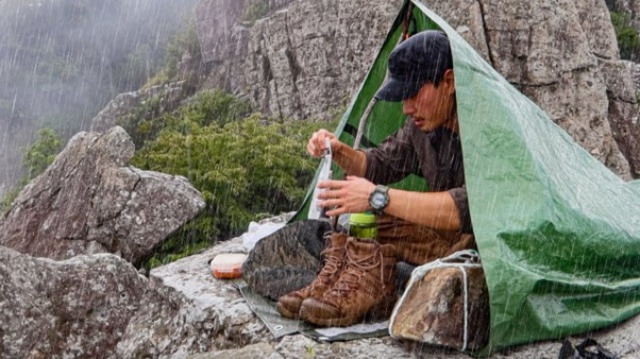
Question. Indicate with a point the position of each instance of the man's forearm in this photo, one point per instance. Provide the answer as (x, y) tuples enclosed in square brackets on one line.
[(434, 209), (353, 162)]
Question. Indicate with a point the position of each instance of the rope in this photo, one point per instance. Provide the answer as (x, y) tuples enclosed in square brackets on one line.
[(465, 286)]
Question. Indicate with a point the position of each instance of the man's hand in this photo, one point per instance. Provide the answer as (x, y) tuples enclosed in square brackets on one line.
[(316, 144), (350, 196)]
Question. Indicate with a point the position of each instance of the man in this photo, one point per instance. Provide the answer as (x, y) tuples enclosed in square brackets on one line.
[(416, 227)]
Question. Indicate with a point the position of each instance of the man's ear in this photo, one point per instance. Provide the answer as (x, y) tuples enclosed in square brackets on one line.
[(449, 81)]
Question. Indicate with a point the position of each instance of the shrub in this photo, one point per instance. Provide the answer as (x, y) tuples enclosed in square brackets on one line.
[(255, 11), (241, 167), (627, 36), (144, 122)]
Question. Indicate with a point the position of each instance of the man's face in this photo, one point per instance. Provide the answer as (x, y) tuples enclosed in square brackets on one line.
[(432, 107)]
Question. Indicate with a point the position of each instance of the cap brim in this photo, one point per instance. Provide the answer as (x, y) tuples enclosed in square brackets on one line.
[(395, 90)]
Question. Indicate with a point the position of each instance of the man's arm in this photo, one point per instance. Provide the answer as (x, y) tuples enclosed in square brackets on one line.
[(390, 162), (437, 210), (353, 162)]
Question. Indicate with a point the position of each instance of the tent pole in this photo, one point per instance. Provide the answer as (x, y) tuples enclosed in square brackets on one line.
[(362, 123), (367, 111)]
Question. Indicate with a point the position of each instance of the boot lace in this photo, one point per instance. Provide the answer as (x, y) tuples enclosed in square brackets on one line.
[(351, 277), (333, 257)]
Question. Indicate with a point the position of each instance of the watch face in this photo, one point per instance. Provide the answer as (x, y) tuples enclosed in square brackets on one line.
[(378, 200)]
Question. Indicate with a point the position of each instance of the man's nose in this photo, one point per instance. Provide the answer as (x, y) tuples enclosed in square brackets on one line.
[(407, 107)]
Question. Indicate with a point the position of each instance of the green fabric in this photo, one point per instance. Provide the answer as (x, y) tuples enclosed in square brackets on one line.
[(558, 232)]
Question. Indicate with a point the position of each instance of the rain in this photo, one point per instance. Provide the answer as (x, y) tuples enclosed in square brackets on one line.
[(61, 62), (319, 178)]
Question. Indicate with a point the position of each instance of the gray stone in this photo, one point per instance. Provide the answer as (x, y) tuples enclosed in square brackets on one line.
[(87, 201), (167, 97), (299, 61), (189, 311), (623, 109), (262, 350), (67, 309)]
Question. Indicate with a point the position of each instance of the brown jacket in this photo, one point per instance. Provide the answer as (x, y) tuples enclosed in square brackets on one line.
[(435, 156)]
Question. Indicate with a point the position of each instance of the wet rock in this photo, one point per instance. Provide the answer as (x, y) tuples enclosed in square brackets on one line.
[(74, 308), (87, 201), (159, 99), (189, 311), (302, 59), (620, 80), (262, 350), (434, 310)]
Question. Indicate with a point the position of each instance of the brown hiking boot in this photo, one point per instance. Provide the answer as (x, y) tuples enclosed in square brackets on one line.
[(334, 258), (366, 287)]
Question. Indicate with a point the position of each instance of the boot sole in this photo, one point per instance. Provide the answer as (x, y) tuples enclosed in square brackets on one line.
[(381, 311)]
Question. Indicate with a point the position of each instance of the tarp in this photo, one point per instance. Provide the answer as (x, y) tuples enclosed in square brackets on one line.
[(558, 232)]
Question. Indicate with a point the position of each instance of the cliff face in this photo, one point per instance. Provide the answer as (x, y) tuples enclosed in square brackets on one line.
[(308, 57), (300, 61)]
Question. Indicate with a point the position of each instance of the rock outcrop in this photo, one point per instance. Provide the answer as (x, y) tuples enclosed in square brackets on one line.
[(159, 99), (310, 56), (300, 61), (189, 311), (78, 308), (89, 201)]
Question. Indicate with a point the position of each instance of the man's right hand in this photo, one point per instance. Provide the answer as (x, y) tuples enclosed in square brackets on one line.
[(316, 144)]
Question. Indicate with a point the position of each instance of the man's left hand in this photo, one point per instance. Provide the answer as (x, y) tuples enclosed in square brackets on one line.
[(350, 196)]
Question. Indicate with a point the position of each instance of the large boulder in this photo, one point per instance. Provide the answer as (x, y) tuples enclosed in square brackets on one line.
[(88, 201), (65, 309)]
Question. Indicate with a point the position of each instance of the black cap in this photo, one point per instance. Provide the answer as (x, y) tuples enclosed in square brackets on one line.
[(422, 58)]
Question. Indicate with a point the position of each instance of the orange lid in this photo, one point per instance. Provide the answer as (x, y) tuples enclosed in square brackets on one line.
[(228, 265)]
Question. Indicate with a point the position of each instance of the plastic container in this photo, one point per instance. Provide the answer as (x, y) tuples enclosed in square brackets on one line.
[(228, 265), (363, 225)]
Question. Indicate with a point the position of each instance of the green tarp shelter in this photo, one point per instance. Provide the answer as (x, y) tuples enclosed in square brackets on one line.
[(558, 232)]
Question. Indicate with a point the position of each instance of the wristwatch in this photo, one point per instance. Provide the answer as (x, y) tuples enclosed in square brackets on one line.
[(379, 199)]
